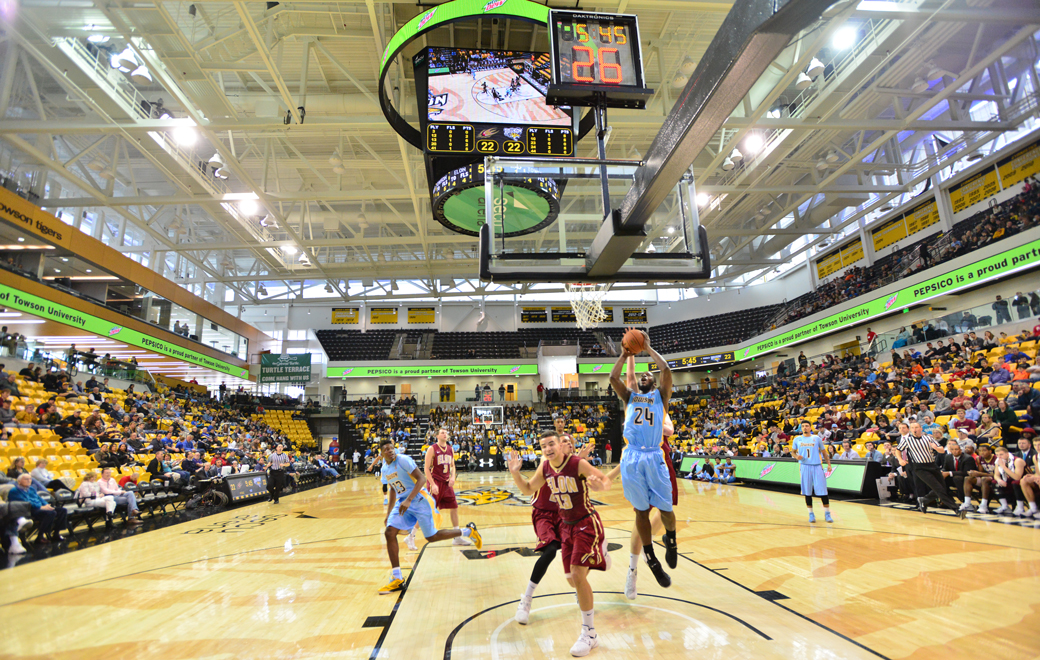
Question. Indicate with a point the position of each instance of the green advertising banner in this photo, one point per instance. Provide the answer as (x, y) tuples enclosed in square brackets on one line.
[(432, 371), (997, 266), (285, 368), (845, 476), (458, 10), (605, 367), (15, 299)]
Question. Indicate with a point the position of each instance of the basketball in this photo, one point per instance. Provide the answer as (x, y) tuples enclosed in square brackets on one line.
[(634, 341)]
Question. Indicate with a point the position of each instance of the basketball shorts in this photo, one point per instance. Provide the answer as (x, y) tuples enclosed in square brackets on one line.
[(546, 525), (445, 497), (645, 479), (419, 513), (582, 544), (814, 480)]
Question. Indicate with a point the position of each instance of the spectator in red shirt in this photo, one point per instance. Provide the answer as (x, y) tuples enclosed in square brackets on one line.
[(963, 422)]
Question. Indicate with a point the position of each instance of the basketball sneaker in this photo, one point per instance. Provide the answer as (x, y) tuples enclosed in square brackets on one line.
[(586, 642), (827, 516), (1002, 510), (410, 540), (630, 585), (812, 517), (671, 552), (659, 574), (395, 585), (523, 609), (474, 536), (461, 540)]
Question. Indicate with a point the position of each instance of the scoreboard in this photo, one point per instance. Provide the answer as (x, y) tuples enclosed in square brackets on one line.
[(596, 60), (533, 141)]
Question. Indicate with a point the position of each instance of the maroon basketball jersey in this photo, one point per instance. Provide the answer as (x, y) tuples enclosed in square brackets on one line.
[(443, 459), (544, 498), (569, 489)]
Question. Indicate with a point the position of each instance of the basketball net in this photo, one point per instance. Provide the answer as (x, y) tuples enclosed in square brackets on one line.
[(587, 302)]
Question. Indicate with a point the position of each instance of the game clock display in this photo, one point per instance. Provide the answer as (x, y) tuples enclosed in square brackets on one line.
[(596, 60)]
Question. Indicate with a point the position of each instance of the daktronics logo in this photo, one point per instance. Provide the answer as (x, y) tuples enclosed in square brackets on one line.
[(426, 19), (493, 5)]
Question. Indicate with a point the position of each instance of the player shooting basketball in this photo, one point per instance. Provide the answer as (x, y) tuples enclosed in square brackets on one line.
[(644, 472)]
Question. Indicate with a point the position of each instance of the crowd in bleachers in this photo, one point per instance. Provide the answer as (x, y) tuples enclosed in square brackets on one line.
[(996, 223), (69, 448), (966, 392)]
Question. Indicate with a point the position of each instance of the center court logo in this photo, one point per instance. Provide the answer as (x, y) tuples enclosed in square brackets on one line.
[(495, 495), (493, 5)]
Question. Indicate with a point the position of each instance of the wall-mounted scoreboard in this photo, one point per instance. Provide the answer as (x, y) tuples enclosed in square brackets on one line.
[(596, 60)]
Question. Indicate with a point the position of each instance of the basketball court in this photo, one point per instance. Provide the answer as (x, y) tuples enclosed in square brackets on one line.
[(754, 580), (467, 101)]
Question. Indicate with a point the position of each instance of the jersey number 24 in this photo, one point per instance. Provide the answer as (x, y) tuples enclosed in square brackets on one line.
[(644, 415)]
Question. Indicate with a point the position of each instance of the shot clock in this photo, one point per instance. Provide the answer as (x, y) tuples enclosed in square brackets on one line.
[(596, 60)]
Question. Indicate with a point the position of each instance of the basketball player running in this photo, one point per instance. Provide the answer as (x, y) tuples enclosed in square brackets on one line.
[(440, 474), (808, 449), (406, 482), (582, 541), (644, 472), (635, 543), (545, 516)]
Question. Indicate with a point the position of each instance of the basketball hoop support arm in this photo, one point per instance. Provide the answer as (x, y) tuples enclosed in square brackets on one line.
[(751, 37)]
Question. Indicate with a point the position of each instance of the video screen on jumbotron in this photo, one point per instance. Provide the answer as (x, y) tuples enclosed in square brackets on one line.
[(490, 87)]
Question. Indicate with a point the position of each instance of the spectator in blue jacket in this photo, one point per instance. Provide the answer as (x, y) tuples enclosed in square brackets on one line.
[(45, 516)]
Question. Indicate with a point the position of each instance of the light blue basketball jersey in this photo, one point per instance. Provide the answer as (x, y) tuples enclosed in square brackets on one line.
[(809, 448), (398, 475), (644, 421)]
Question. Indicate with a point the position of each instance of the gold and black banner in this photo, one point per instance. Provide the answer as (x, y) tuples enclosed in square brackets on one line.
[(533, 315)]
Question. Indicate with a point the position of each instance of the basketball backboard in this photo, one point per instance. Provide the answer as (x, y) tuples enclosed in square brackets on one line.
[(568, 194), (494, 415)]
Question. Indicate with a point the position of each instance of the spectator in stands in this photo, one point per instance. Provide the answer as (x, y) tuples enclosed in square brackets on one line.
[(1021, 305), (27, 416), (872, 454), (42, 476), (8, 384), (1001, 309), (45, 516), (28, 373), (956, 467), (89, 494), (109, 486), (847, 453)]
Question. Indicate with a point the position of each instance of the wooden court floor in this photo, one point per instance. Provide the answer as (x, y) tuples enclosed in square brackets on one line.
[(755, 579)]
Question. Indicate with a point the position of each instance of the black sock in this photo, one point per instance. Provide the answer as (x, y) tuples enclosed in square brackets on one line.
[(670, 538), (648, 552)]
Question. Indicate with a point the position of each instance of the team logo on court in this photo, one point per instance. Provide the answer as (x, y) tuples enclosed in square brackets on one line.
[(426, 19), (496, 495), (438, 100), (891, 301), (513, 133), (493, 5)]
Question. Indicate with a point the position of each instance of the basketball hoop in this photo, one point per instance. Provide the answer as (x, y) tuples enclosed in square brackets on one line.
[(587, 302)]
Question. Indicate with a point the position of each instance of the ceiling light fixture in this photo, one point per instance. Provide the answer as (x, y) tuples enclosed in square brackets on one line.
[(249, 206), (335, 158), (702, 199), (141, 75), (289, 249), (216, 161), (832, 156), (845, 37), (339, 169), (688, 65), (736, 156), (920, 85), (821, 165), (127, 59), (97, 164), (222, 173), (815, 68), (679, 81), (753, 143), (802, 82), (185, 136), (728, 164), (97, 38)]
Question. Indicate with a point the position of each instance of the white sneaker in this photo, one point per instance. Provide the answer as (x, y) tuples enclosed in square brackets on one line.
[(410, 540), (523, 609), (630, 585), (24, 522), (585, 644), (461, 540), (1019, 511), (1002, 510), (16, 547)]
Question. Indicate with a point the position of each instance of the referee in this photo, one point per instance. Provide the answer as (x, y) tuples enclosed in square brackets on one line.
[(921, 462), (276, 473)]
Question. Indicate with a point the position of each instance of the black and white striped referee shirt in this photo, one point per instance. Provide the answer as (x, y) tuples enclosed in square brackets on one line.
[(918, 449)]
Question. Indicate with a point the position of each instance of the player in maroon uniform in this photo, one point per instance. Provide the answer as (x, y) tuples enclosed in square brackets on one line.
[(545, 517), (583, 543), (440, 474)]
